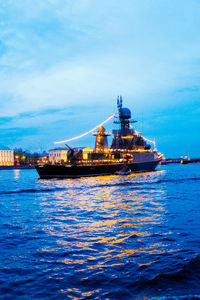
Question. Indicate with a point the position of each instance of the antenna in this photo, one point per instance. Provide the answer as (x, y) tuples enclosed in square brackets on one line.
[(121, 101), (119, 104)]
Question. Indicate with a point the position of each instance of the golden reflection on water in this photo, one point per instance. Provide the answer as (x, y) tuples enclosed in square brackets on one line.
[(118, 213), (80, 294)]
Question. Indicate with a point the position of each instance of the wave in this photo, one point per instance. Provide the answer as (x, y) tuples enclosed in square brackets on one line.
[(186, 277), (178, 180), (186, 297), (144, 183), (134, 184), (30, 191)]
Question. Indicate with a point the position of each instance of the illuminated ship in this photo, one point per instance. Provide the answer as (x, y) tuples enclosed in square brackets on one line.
[(128, 150)]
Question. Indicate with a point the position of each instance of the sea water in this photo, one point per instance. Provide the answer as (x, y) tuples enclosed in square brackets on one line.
[(109, 237)]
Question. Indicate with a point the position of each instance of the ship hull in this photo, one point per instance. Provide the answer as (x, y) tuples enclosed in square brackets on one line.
[(65, 171)]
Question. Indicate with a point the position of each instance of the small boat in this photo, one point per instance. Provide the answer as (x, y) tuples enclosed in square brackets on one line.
[(123, 171)]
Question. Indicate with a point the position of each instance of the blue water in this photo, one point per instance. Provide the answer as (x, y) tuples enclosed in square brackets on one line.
[(111, 237)]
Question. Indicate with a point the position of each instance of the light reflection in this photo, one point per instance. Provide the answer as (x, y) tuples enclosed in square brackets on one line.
[(16, 174), (108, 217), (80, 294)]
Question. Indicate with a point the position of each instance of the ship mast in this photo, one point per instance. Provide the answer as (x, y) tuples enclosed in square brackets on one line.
[(123, 137)]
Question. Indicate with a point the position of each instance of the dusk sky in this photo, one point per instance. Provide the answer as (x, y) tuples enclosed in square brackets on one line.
[(63, 63)]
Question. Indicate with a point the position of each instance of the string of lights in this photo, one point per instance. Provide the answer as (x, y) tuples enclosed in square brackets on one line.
[(86, 133), (146, 139), (93, 129), (150, 141)]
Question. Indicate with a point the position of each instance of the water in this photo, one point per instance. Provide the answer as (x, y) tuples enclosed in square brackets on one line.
[(111, 237)]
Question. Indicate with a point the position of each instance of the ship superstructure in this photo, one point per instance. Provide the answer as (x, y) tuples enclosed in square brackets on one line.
[(126, 137), (126, 142), (128, 148)]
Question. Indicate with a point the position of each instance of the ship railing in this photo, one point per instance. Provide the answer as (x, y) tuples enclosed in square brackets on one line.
[(101, 162)]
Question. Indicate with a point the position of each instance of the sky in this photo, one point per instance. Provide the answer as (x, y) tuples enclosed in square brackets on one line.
[(63, 63)]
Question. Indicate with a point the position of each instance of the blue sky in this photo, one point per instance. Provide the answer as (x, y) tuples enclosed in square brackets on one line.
[(63, 63)]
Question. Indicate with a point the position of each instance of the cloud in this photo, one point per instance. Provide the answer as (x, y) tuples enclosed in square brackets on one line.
[(55, 55)]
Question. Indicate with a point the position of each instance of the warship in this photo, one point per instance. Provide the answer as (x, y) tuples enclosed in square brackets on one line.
[(129, 150)]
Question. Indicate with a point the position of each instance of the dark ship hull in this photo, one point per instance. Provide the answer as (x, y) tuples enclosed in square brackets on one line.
[(66, 171)]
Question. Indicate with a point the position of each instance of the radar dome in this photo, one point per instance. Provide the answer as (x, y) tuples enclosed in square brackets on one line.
[(125, 113)]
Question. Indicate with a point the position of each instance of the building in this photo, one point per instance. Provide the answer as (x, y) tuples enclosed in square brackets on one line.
[(6, 156), (58, 155), (43, 158)]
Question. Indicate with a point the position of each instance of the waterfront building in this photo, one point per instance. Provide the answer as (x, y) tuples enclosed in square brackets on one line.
[(43, 158), (6, 156)]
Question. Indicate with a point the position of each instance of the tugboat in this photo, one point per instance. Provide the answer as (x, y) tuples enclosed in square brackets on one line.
[(128, 150)]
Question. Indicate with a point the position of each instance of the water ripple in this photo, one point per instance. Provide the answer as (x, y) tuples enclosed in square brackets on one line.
[(109, 237)]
